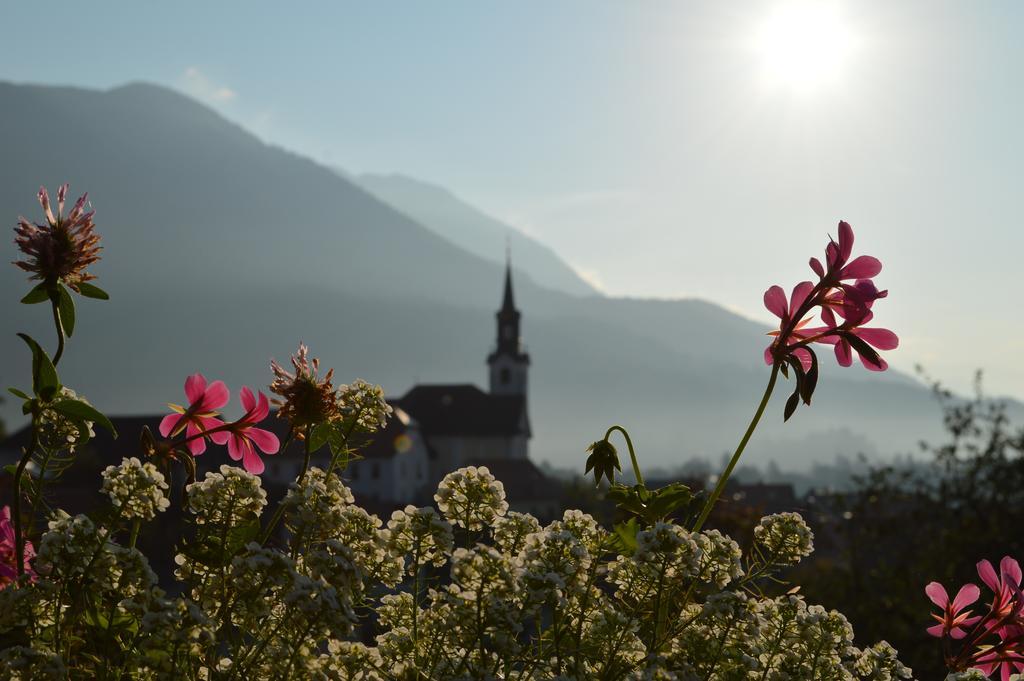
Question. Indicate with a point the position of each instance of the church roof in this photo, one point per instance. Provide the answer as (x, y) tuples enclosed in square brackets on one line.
[(521, 478), (508, 304), (464, 410)]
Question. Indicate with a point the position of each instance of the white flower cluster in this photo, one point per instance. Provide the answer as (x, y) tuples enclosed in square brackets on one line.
[(136, 489), (421, 535), (784, 538), (57, 431), (511, 530), (27, 664), (315, 505), (221, 497), (365, 402), (471, 498), (518, 601), (720, 558), (880, 663)]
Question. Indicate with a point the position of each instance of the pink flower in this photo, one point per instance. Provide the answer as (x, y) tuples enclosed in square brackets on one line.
[(64, 247), (243, 438), (8, 551), (200, 416), (852, 302), (954, 616), (1007, 660), (775, 302), (1003, 586), (877, 338), (837, 259)]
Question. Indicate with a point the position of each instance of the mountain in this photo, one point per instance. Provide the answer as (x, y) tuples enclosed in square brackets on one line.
[(222, 252), (468, 227)]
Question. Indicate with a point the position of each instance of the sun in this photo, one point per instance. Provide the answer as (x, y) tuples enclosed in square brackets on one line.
[(804, 45)]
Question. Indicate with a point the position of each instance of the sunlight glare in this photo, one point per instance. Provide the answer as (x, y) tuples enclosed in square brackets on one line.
[(804, 44)]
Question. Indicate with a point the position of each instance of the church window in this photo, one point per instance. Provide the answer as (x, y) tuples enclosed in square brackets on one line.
[(506, 375)]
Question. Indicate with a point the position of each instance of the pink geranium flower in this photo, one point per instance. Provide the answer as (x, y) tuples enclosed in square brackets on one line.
[(200, 416), (878, 338), (243, 438), (833, 295), (776, 303), (1007, 660), (1004, 585), (954, 615), (837, 259), (8, 550)]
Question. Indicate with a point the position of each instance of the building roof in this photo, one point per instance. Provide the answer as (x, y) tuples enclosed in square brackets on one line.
[(465, 410), (522, 480), (394, 439)]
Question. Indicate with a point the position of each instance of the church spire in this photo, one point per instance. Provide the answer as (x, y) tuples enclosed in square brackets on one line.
[(508, 304), (508, 362)]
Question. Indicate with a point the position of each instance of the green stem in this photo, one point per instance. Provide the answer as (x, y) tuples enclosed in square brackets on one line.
[(724, 478), (279, 511), (632, 452), (136, 524), (19, 538), (60, 331)]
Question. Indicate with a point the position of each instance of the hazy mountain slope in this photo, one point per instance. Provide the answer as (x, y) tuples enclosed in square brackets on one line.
[(222, 252), (464, 225)]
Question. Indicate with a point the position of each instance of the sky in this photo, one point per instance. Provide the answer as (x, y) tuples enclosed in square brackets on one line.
[(664, 149)]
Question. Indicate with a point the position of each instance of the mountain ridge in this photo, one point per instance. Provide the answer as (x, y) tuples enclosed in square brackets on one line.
[(223, 251)]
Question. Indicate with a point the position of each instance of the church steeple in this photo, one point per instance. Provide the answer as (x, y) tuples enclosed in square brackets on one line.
[(509, 361)]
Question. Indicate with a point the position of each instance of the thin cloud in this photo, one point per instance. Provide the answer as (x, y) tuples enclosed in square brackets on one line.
[(590, 276), (200, 86)]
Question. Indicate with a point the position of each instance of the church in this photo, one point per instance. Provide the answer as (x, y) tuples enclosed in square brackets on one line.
[(438, 428)]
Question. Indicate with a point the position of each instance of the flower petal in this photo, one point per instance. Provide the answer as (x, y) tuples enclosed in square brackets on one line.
[(195, 386), (261, 410), (769, 359), (937, 593), (967, 594), (883, 339), (871, 366), (799, 295), (264, 439), (169, 424), (217, 395), (861, 267), (775, 301), (843, 354), (252, 462), (816, 266), (234, 447), (248, 399), (845, 240), (988, 575), (1008, 567), (198, 445)]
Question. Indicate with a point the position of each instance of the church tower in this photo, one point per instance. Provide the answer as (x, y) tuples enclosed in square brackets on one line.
[(509, 362)]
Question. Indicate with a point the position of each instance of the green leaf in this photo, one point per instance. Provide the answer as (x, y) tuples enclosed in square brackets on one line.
[(320, 436), (863, 349), (66, 307), (791, 404), (810, 381), (39, 294), (625, 535), (18, 393), (90, 291), (83, 411), (44, 375)]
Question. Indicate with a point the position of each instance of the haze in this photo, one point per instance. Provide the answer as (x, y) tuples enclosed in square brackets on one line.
[(644, 143)]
